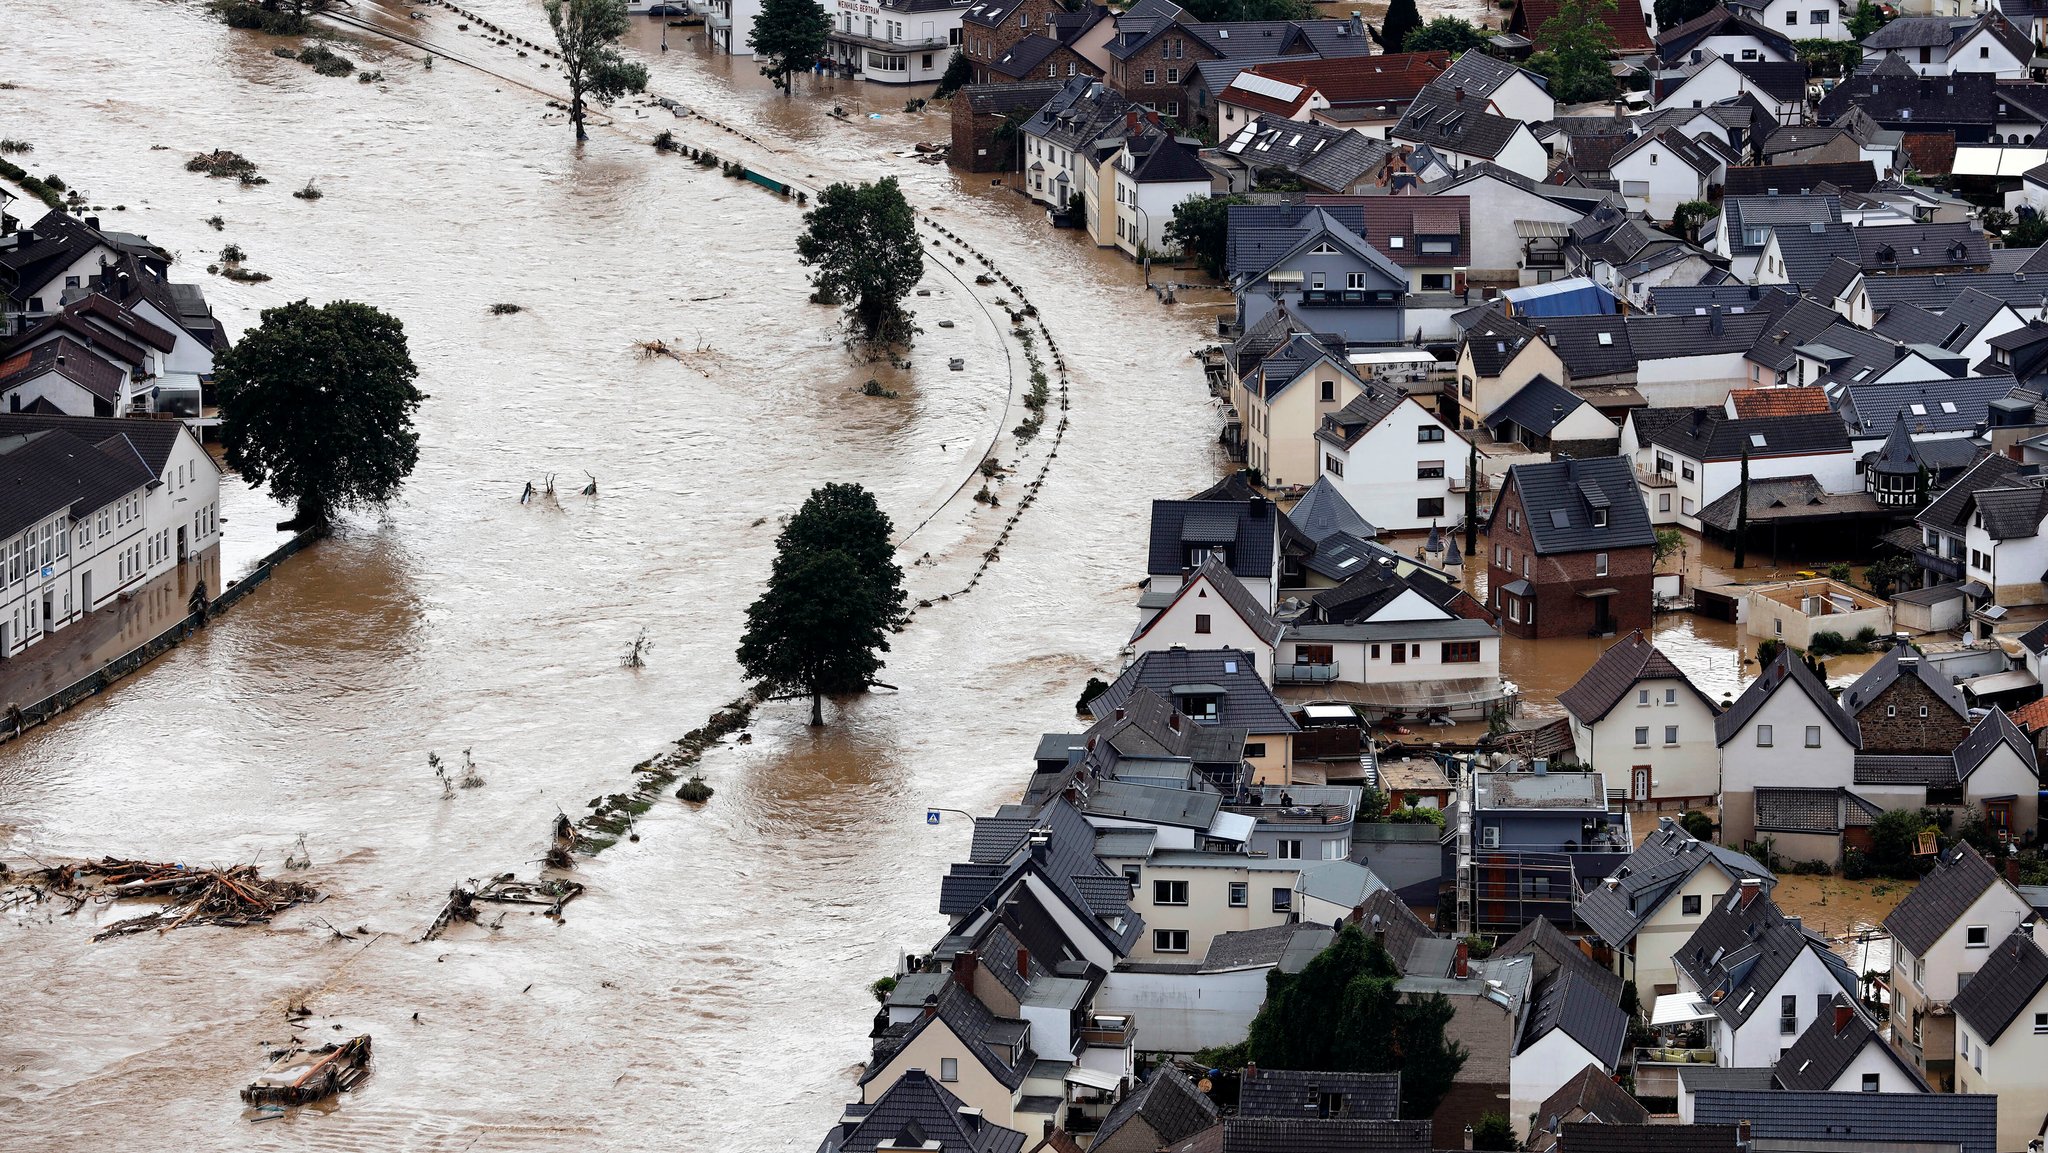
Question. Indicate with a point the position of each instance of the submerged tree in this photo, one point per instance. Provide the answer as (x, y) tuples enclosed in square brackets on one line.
[(1343, 1012), (1578, 46), (862, 240), (318, 403), (1446, 34), (588, 32), (834, 593), (1401, 21), (1201, 229), (788, 37), (959, 73)]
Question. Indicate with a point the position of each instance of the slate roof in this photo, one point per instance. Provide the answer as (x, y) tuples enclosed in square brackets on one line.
[(1584, 1010), (1882, 675), (1273, 1135), (1169, 1105), (1246, 948), (1902, 101), (1739, 952), (1234, 595), (1808, 249), (1591, 346), (69, 360), (919, 1110), (1323, 511), (152, 440), (1246, 530), (1247, 702), (1994, 730), (1960, 876), (1065, 861), (1083, 111), (1742, 213), (1495, 341), (1679, 144), (1649, 876), (1011, 96), (1385, 916), (1824, 1051), (1539, 406), (1362, 413), (1626, 663), (1719, 20), (1023, 57), (1464, 127), (1559, 498), (1709, 434), (1732, 297), (1323, 156), (1661, 336), (1782, 669), (58, 471), (1481, 75), (1592, 1093), (1296, 1094), (1951, 510), (987, 1037), (2009, 981), (1853, 176), (1909, 246), (1590, 1137), (1839, 1119)]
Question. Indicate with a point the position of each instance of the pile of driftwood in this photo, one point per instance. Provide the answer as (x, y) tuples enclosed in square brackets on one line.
[(234, 896), (504, 889), (297, 1075)]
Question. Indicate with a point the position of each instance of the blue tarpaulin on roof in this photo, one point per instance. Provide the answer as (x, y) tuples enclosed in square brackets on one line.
[(1578, 296)]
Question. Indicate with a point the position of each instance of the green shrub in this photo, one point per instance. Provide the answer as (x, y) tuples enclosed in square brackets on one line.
[(1095, 687), (243, 14)]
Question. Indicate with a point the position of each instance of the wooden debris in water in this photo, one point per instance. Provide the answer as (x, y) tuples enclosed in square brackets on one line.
[(649, 349), (297, 1075), (193, 896), (503, 889)]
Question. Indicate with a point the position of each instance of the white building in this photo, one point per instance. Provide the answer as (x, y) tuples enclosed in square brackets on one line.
[(1945, 45), (1756, 977), (1636, 716), (1700, 452), (1842, 1051), (1800, 19), (1392, 459), (1154, 172), (98, 507), (1785, 730), (1213, 609), (896, 41), (1661, 171), (1942, 934), (2002, 1036), (1650, 904), (729, 25)]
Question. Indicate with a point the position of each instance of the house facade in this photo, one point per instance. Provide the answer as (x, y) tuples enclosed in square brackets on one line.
[(1943, 932), (2002, 1036), (1570, 550), (1635, 712), (896, 41), (1392, 459), (1785, 730)]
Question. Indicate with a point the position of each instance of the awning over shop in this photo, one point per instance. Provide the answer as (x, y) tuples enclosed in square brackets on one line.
[(1678, 1008)]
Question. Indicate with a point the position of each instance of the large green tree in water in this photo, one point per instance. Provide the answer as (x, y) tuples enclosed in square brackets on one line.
[(588, 32), (1342, 1012), (1578, 50), (787, 37), (318, 403), (862, 241), (834, 594)]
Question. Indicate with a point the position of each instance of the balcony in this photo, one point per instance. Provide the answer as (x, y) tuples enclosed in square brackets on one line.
[(1344, 297), (1109, 1032), (1294, 814), (1309, 674), (1657, 1069), (1940, 566)]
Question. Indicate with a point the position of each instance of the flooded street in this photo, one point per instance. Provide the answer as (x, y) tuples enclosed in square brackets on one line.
[(710, 989)]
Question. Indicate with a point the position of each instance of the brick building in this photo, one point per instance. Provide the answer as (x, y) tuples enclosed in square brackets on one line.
[(989, 31), (980, 109), (1570, 550), (1907, 707), (1151, 58)]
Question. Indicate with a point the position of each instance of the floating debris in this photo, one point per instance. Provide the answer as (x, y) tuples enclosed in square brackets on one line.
[(193, 896), (503, 889), (297, 1075)]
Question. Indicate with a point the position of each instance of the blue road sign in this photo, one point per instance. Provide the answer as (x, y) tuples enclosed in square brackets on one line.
[(931, 816)]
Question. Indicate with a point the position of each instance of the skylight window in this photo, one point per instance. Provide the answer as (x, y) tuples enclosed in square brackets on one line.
[(1606, 339), (1229, 666), (1918, 409), (1948, 406), (1756, 440)]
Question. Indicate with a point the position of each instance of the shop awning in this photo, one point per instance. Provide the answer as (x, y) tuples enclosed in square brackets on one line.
[(1093, 1078), (1678, 1008)]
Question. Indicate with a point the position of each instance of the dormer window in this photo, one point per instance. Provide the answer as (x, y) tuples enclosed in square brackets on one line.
[(1599, 518)]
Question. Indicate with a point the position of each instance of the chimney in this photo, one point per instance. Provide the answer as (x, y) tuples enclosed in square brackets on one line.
[(93, 222), (1461, 967), (1120, 712), (1023, 962), (1742, 1134), (1357, 23), (1040, 838), (1621, 110), (1714, 324), (1458, 93), (1468, 1136), (1749, 888), (1173, 721), (1251, 1071), (2012, 870), (931, 1005), (1131, 122), (963, 969), (1843, 1015), (1379, 925), (970, 1118), (1664, 824)]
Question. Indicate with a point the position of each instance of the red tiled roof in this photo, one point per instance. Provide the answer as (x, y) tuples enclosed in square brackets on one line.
[(2032, 716), (1751, 402), (1360, 79), (1624, 20), (1930, 153)]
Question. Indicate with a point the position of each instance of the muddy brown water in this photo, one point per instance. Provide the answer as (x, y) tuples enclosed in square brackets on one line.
[(710, 988)]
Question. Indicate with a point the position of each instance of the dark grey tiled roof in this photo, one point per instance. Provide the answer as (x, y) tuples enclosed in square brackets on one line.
[(1168, 1104), (1297, 1094), (1464, 127), (1853, 176), (1676, 42), (1732, 297), (1783, 668), (1648, 877), (1322, 510), (1024, 57), (1480, 75), (1742, 213), (1247, 702), (1494, 341), (1826, 1049), (1248, 947), (1710, 434), (1387, 918), (152, 440), (923, 1110), (56, 471), (1272, 1135), (2021, 289), (1878, 1119), (1960, 876), (1539, 406), (1067, 857), (1951, 510), (2008, 982), (994, 1041), (1245, 530), (1994, 730), (1905, 769), (1785, 80), (1591, 346), (1586, 1012), (1741, 950), (1882, 675), (1627, 662), (2012, 512), (1657, 336), (1920, 246), (1592, 1093), (1591, 1137), (1559, 498), (1808, 249)]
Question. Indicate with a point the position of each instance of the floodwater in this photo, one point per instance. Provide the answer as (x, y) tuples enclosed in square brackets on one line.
[(710, 989)]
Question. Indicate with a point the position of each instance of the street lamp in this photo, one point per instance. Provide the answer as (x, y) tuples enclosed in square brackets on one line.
[(931, 815)]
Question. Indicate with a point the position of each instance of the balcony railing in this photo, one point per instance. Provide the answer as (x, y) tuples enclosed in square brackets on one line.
[(1294, 814), (1109, 1032), (1939, 565), (1309, 674), (1673, 1056), (1343, 297)]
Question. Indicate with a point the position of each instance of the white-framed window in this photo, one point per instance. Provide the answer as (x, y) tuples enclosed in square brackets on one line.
[(1870, 1082), (1670, 696), (1333, 850), (1977, 936), (1240, 894), (1169, 892), (1670, 734), (1489, 837), (1288, 850), (1642, 696), (1599, 564), (1813, 736), (1642, 736), (949, 1068), (1151, 76), (1169, 940)]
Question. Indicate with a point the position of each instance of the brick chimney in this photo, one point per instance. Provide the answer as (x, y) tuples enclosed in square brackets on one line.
[(1461, 966), (1747, 892), (963, 969), (1023, 962), (1843, 1015), (931, 1005), (1173, 721)]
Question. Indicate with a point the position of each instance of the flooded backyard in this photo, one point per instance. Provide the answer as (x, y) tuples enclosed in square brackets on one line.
[(710, 988)]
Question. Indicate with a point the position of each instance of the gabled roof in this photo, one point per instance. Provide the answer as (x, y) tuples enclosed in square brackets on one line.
[(1214, 574), (1480, 74), (1630, 36), (1765, 403), (1907, 246), (1626, 663), (2009, 981), (1539, 406), (56, 471), (922, 1110), (1763, 180), (1245, 530), (1386, 918), (1464, 127), (1569, 1002), (1785, 669), (1900, 99), (1996, 730), (990, 1039), (1560, 499), (75, 363), (1950, 511), (1247, 702), (1960, 876), (1720, 20), (1792, 1119), (1675, 142), (1024, 57), (1832, 1043), (1158, 157), (1709, 434), (1168, 1104), (1298, 1094), (1882, 675), (1495, 341), (1065, 860), (1782, 79), (1741, 950), (1363, 413), (1593, 1095), (1648, 877)]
